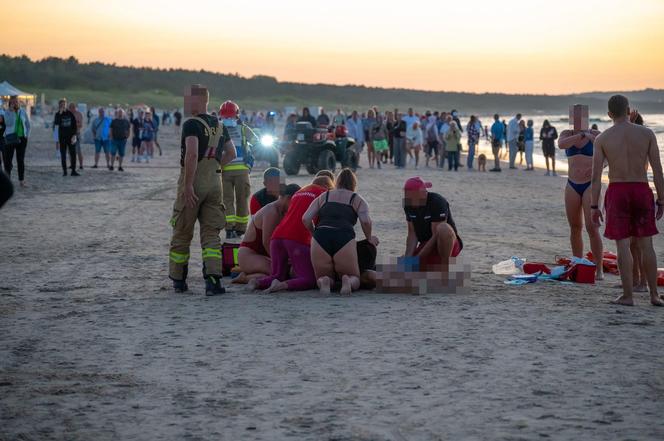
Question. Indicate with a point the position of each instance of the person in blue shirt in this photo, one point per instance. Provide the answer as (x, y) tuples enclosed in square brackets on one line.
[(497, 137), (529, 138), (356, 131), (101, 128)]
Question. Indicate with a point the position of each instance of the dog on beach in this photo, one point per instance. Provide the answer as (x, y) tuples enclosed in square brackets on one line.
[(481, 162)]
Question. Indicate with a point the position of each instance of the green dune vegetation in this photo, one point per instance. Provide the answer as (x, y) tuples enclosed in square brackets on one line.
[(102, 84)]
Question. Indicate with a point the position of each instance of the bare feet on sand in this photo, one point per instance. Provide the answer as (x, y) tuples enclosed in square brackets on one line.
[(656, 301), (276, 286), (346, 289), (599, 274), (241, 278), (253, 284), (622, 300), (324, 285)]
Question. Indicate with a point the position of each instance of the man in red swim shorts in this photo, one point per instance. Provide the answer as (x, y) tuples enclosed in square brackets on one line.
[(629, 203)]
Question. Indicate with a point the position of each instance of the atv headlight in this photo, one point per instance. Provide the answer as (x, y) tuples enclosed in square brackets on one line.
[(267, 140)]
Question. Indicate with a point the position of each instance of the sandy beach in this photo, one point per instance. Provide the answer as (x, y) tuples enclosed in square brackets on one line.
[(94, 345)]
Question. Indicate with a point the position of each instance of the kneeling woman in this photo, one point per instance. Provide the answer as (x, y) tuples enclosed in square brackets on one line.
[(291, 241), (253, 256), (333, 250)]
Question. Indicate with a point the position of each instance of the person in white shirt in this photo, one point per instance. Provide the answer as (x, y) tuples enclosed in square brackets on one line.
[(417, 140), (410, 119), (512, 138), (444, 128)]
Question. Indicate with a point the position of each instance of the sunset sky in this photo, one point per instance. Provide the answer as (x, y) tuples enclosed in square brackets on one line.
[(528, 46)]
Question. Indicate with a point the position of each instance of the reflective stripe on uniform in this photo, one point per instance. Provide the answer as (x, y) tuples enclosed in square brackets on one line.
[(211, 253), (179, 257), (232, 167), (231, 218), (241, 219)]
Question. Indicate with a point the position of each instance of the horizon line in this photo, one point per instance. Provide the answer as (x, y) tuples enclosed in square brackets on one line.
[(392, 88)]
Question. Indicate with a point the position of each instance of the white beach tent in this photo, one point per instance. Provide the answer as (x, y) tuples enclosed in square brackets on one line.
[(7, 90)]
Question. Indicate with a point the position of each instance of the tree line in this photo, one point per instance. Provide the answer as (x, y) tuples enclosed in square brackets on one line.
[(69, 73)]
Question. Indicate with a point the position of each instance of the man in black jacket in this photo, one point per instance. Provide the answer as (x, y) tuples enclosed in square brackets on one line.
[(65, 121), (399, 136), (307, 117)]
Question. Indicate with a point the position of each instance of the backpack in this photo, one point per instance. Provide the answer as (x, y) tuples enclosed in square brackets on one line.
[(213, 139)]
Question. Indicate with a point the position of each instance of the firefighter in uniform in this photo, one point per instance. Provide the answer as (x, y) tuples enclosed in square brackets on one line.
[(235, 174), (205, 146)]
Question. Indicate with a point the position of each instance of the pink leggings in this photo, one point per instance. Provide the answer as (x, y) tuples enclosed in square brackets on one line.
[(300, 258)]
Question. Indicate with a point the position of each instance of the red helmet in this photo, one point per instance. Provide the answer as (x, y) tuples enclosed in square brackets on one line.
[(229, 110)]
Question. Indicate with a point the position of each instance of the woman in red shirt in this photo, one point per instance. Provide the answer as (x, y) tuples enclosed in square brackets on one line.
[(291, 241)]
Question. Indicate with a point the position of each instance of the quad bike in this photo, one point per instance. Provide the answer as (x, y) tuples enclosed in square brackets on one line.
[(318, 149)]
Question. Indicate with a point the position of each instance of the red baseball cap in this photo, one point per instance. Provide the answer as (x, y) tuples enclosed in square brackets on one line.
[(416, 183)]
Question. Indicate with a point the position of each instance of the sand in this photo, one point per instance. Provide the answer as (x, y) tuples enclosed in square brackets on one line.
[(94, 345)]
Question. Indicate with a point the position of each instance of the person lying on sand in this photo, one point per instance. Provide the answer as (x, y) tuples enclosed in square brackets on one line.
[(253, 256), (629, 203), (432, 242), (366, 261)]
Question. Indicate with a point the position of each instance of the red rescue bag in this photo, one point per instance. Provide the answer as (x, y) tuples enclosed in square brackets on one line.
[(535, 267), (660, 277), (580, 273)]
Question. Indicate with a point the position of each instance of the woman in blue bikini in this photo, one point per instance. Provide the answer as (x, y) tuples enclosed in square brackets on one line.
[(578, 146)]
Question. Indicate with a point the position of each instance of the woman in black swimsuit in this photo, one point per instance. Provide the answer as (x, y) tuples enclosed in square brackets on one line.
[(333, 248)]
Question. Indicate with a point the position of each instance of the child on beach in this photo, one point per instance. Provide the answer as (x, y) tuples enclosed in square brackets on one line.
[(529, 140), (521, 140), (453, 140), (416, 140)]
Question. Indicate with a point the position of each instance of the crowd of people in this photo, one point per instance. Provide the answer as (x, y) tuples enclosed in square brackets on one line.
[(108, 134), (299, 238), (388, 137), (402, 139), (296, 238)]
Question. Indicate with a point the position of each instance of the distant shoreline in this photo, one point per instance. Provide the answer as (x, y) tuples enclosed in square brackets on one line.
[(104, 84)]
